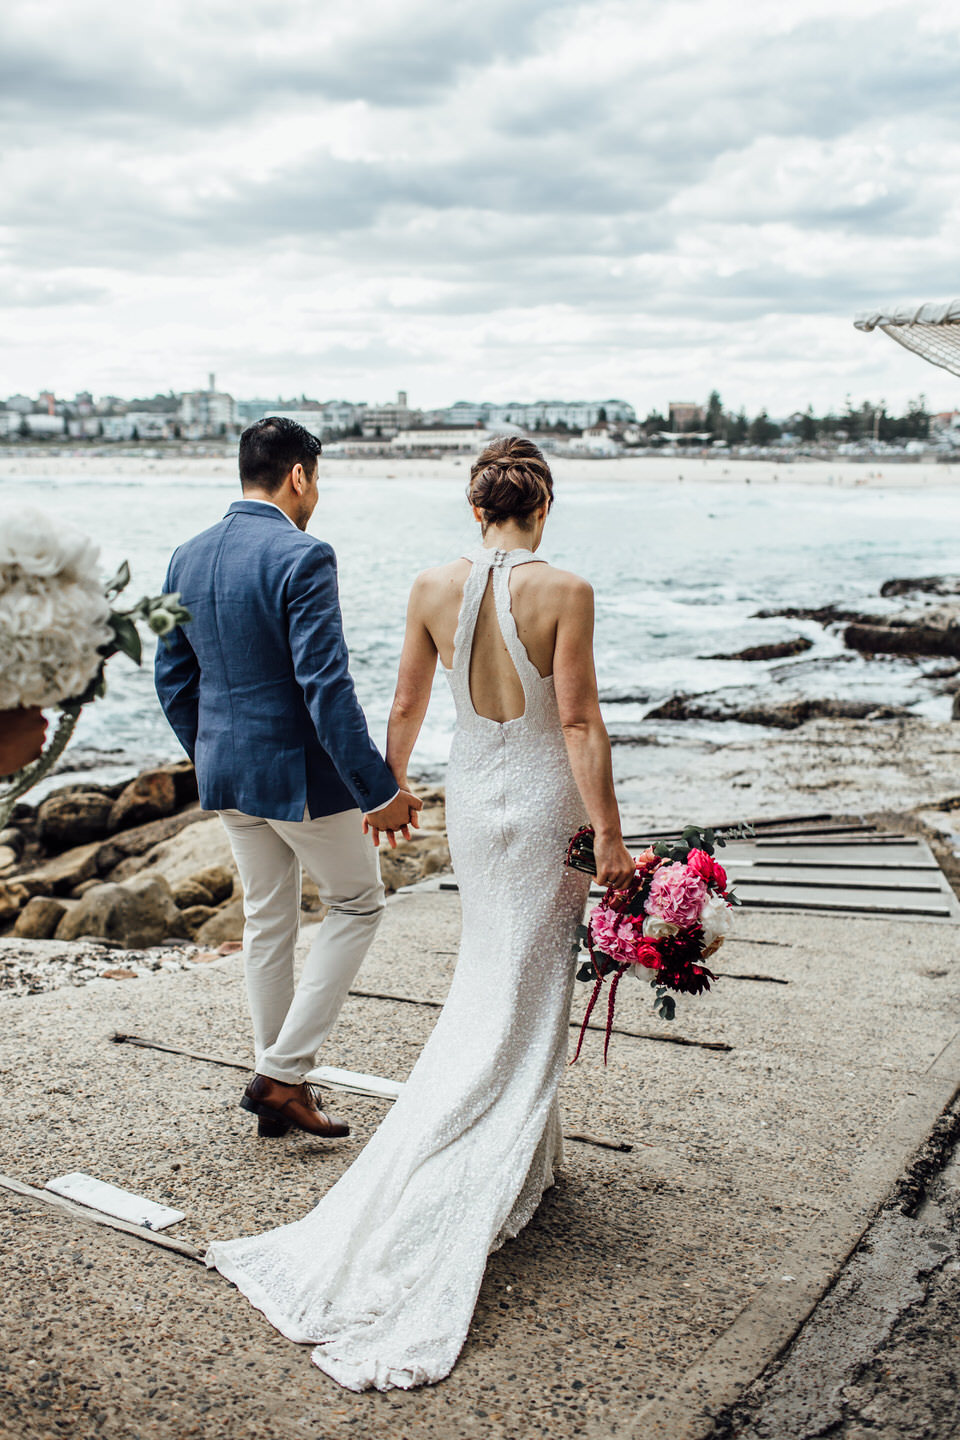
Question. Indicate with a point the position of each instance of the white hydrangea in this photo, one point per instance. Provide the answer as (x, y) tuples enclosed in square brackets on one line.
[(53, 612)]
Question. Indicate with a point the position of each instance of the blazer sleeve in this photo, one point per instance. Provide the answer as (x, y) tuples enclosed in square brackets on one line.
[(176, 673), (322, 667)]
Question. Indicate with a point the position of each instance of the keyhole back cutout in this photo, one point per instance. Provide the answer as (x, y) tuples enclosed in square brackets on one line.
[(496, 690)]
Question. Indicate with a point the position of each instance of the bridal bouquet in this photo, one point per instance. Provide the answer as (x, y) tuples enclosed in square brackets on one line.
[(671, 918), (58, 628)]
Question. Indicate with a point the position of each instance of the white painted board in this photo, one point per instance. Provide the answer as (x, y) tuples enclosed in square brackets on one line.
[(354, 1082), (111, 1200)]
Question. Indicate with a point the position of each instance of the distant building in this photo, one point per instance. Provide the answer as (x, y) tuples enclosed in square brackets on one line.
[(684, 415), (34, 426), (341, 414), (21, 403), (549, 414), (85, 427), (464, 438), (382, 422), (203, 413)]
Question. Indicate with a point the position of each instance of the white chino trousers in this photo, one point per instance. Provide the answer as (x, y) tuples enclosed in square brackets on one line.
[(290, 1023)]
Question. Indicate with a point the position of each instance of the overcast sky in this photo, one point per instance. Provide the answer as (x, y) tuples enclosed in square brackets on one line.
[(486, 199)]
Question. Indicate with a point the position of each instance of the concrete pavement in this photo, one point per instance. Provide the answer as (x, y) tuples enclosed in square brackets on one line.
[(650, 1289)]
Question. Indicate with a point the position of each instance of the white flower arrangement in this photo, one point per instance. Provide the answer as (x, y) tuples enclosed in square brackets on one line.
[(58, 628), (54, 615)]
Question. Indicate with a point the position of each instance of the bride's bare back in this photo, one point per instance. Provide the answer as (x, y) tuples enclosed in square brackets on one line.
[(537, 593)]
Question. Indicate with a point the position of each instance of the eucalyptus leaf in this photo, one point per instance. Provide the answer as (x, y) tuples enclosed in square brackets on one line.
[(127, 636), (119, 582)]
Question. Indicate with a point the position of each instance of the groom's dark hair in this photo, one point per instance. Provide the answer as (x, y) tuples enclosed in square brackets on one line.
[(269, 450)]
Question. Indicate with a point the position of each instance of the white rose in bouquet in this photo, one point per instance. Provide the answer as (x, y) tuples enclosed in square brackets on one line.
[(53, 611), (656, 929), (716, 917)]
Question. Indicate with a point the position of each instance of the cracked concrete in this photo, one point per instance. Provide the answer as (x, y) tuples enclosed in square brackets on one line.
[(880, 1357)]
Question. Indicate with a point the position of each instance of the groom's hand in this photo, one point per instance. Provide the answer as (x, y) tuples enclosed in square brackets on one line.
[(400, 814)]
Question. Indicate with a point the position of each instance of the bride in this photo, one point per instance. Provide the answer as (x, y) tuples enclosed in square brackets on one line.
[(382, 1277)]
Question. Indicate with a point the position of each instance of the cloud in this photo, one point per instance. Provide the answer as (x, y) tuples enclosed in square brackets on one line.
[(428, 196)]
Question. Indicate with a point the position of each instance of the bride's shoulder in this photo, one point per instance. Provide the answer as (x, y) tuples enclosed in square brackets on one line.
[(564, 584), (439, 580), (439, 576)]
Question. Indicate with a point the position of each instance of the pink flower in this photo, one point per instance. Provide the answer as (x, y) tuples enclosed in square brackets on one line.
[(622, 938), (647, 861), (677, 894), (614, 934), (707, 868)]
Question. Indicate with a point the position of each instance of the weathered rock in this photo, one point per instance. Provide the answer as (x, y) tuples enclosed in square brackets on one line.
[(185, 855), (786, 716), (225, 924), (184, 778), (13, 896), (218, 880), (190, 893), (923, 585), (434, 857), (13, 839), (310, 902), (903, 639), (192, 919), (8, 857), (73, 818), (80, 890), (39, 918), (780, 650), (129, 866), (131, 844), (135, 915), (398, 869), (150, 797), (62, 874), (824, 615)]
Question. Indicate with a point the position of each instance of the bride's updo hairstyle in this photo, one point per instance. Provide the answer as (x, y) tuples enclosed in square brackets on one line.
[(509, 481)]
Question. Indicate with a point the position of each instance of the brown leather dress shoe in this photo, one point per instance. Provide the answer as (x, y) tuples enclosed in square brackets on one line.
[(279, 1106)]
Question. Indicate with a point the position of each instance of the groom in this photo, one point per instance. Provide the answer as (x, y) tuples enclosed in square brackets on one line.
[(258, 690)]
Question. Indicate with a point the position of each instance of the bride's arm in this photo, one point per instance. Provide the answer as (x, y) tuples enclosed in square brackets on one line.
[(418, 664), (588, 744)]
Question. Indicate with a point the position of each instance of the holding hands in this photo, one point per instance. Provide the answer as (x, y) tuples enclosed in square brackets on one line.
[(399, 815)]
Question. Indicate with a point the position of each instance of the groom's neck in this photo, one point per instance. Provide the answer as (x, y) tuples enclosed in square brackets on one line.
[(287, 502)]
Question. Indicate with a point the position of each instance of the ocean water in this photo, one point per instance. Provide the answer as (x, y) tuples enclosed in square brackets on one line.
[(679, 569)]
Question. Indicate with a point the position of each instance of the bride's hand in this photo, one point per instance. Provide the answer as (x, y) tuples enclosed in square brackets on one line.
[(614, 861)]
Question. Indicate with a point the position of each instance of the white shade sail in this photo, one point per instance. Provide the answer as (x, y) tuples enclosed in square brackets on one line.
[(931, 331)]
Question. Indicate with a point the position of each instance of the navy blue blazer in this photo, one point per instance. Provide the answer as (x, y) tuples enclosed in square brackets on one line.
[(257, 686)]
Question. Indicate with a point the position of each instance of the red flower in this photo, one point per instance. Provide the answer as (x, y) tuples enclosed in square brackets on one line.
[(647, 954), (708, 869)]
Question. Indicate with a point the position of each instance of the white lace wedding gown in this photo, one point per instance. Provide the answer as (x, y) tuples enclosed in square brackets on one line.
[(383, 1275)]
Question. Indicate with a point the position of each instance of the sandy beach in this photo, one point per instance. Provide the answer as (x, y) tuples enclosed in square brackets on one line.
[(648, 469)]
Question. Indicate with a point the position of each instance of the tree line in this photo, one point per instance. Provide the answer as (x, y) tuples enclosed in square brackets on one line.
[(868, 421)]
